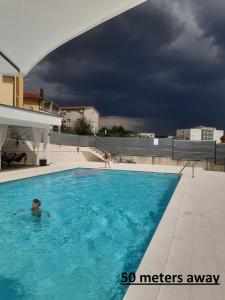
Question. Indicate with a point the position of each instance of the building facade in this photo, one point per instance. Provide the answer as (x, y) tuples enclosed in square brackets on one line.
[(71, 114), (11, 90), (37, 102), (147, 135), (34, 101), (200, 133)]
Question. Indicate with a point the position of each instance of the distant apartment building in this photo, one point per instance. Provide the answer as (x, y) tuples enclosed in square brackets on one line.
[(71, 114), (200, 133), (147, 135)]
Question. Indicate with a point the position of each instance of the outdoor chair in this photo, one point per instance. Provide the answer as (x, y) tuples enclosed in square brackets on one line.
[(19, 157), (8, 158), (3, 154)]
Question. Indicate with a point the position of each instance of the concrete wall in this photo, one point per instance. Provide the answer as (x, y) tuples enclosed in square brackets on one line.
[(60, 153), (89, 156), (154, 160), (206, 165)]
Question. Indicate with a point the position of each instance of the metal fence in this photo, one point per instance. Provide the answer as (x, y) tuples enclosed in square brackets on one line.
[(72, 140), (220, 154), (177, 149), (191, 150), (165, 147), (137, 146)]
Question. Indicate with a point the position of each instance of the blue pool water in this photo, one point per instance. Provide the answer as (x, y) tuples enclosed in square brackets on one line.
[(100, 226)]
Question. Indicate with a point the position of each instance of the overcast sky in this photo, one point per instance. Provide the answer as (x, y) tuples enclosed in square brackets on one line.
[(155, 68)]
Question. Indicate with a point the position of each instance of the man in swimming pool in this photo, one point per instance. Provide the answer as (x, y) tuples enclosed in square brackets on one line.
[(35, 209)]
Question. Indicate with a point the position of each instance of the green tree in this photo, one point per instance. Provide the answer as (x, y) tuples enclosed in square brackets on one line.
[(116, 131), (82, 127), (65, 129), (104, 131)]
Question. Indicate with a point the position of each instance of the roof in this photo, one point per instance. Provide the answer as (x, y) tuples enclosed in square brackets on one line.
[(77, 107), (23, 117), (204, 127), (32, 95)]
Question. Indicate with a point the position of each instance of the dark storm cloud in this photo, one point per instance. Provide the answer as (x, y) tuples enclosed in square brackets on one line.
[(161, 62), (211, 18)]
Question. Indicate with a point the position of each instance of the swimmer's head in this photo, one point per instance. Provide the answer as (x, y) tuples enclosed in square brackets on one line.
[(36, 203)]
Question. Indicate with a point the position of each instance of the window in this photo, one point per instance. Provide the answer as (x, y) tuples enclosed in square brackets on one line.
[(68, 120)]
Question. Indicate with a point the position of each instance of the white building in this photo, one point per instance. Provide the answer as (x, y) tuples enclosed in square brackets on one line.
[(71, 114), (200, 133), (147, 135)]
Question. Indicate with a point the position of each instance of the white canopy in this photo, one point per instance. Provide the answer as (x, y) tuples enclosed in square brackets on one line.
[(27, 118), (30, 29)]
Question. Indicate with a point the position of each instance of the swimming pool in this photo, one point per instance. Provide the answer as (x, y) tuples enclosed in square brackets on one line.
[(101, 224)]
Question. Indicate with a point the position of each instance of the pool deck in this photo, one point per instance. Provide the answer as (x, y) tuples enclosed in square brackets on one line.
[(190, 238)]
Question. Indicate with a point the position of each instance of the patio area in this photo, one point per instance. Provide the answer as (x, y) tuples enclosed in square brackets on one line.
[(37, 124)]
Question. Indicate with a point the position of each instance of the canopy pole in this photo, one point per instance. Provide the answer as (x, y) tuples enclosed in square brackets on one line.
[(46, 144), (3, 134)]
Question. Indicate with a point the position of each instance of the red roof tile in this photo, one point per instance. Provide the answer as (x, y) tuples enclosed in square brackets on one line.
[(32, 95)]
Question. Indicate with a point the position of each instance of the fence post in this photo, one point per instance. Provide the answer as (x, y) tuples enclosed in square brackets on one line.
[(172, 147), (215, 153)]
